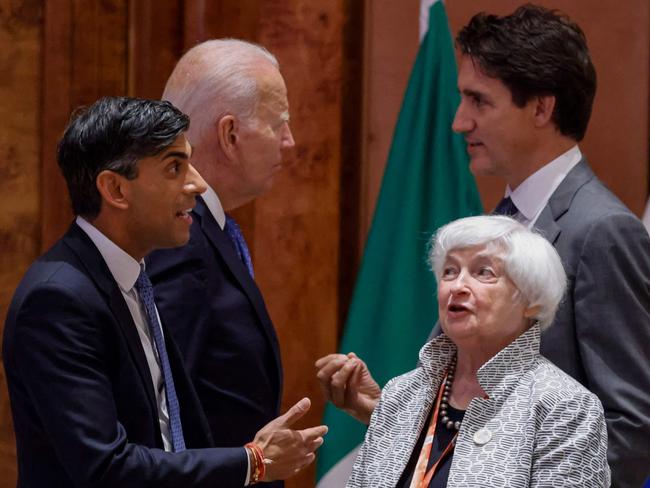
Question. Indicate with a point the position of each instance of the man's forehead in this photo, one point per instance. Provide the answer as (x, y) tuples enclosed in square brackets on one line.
[(472, 78), (179, 148)]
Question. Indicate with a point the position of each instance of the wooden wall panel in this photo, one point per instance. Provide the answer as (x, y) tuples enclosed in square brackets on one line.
[(20, 48), (296, 232), (85, 57), (155, 42), (391, 44)]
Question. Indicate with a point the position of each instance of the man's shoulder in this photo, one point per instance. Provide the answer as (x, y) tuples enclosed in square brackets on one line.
[(57, 268), (594, 206)]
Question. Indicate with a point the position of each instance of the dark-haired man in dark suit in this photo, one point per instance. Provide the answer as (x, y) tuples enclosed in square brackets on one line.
[(99, 394), (237, 100), (527, 87)]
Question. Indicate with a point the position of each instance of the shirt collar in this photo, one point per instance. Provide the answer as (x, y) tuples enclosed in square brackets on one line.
[(123, 267), (533, 194), (213, 203)]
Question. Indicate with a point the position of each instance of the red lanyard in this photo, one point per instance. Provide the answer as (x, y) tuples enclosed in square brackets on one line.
[(422, 476)]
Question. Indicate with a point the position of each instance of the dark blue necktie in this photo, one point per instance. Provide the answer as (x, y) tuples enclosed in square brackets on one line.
[(237, 238), (145, 290), (505, 207)]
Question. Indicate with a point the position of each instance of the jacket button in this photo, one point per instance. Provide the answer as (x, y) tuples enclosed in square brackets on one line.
[(482, 436)]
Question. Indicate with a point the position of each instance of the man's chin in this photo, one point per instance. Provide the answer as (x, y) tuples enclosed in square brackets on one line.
[(177, 240), (481, 167)]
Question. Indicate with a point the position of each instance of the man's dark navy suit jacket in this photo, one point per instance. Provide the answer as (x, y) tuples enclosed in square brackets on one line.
[(216, 312), (81, 392)]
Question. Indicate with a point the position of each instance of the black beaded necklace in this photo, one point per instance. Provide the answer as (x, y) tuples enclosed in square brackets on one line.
[(446, 395)]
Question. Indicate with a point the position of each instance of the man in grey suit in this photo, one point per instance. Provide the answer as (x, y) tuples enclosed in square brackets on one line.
[(527, 86)]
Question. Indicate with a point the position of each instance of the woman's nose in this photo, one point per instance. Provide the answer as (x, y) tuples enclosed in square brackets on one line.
[(459, 285)]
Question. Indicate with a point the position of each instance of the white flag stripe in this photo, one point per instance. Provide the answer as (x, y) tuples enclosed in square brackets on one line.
[(338, 476), (425, 5)]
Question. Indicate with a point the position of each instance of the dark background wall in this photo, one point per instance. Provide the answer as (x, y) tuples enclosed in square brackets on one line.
[(346, 63)]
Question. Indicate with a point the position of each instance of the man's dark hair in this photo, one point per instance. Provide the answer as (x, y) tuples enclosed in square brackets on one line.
[(535, 52), (113, 134)]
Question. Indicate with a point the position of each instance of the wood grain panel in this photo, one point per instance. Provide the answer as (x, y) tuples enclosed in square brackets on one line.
[(392, 41), (226, 18), (57, 69), (85, 57), (155, 42), (20, 50), (297, 224)]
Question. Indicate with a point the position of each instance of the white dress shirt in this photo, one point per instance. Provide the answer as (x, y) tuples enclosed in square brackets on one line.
[(533, 194), (213, 203), (125, 271)]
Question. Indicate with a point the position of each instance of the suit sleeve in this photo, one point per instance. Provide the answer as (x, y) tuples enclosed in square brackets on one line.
[(612, 309), (571, 445), (62, 352)]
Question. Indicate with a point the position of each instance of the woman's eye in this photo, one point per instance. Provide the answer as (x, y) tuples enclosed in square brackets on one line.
[(486, 272), (448, 272)]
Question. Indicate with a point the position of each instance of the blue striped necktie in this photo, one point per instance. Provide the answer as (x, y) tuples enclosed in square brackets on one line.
[(237, 238), (506, 207), (145, 290)]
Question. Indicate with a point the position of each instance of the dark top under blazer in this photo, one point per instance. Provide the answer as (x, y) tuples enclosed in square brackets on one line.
[(217, 315), (601, 333), (81, 393)]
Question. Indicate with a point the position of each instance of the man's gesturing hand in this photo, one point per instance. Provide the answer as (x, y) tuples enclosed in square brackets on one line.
[(347, 383), (287, 450)]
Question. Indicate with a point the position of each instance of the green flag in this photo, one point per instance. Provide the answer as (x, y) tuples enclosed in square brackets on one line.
[(426, 184)]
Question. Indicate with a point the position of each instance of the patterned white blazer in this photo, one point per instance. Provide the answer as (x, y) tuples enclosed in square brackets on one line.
[(538, 428)]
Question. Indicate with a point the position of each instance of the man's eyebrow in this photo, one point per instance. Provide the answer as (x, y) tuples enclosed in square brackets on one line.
[(472, 93), (177, 154)]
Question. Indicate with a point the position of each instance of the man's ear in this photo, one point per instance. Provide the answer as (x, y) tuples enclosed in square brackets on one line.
[(544, 107), (111, 187), (228, 135)]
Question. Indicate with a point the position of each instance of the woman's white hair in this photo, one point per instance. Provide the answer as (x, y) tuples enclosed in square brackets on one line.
[(216, 78), (530, 261)]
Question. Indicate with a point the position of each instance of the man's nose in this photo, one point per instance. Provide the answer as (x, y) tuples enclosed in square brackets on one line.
[(287, 138), (462, 123), (194, 183)]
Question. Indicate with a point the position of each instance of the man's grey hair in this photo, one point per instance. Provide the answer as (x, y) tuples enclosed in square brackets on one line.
[(217, 78), (530, 261)]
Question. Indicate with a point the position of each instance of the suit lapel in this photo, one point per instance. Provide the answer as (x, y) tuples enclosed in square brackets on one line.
[(97, 269), (225, 248), (561, 199)]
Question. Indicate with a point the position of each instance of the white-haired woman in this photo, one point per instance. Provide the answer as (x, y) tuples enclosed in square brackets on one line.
[(484, 408)]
